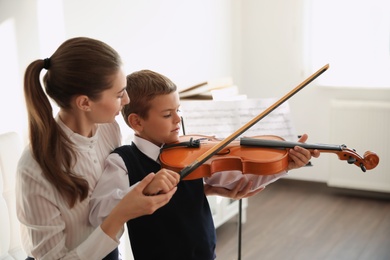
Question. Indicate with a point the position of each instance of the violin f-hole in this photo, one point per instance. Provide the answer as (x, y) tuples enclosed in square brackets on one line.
[(223, 152)]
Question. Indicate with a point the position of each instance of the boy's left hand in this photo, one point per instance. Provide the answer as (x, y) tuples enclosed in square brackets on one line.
[(300, 156), (238, 192)]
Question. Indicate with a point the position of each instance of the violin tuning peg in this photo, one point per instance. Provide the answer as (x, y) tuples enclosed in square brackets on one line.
[(351, 160), (362, 167)]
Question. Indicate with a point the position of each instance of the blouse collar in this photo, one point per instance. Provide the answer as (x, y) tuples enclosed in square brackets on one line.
[(81, 142)]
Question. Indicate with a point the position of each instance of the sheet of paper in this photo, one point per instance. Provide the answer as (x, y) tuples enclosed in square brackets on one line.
[(222, 118)]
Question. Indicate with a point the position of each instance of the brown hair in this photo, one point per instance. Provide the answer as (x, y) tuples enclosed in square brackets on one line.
[(142, 87), (80, 66)]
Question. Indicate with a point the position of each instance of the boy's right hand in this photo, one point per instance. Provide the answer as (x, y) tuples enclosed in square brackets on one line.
[(163, 181)]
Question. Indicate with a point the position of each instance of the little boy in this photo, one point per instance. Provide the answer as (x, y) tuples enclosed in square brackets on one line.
[(184, 228)]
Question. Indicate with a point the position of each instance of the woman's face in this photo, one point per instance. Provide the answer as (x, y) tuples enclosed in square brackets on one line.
[(111, 101)]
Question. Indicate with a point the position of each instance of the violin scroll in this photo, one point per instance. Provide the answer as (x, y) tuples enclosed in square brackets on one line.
[(372, 160), (369, 160)]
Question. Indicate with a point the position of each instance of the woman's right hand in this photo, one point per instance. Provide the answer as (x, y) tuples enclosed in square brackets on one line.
[(135, 204)]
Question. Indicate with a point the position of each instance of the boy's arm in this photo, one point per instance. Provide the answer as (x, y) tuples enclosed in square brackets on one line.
[(112, 186)]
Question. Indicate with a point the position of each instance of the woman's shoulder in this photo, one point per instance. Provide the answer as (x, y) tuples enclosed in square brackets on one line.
[(26, 159), (28, 166), (110, 132), (110, 128)]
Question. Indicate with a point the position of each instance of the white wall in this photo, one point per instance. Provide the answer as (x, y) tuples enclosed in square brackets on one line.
[(189, 41), (275, 59), (260, 43)]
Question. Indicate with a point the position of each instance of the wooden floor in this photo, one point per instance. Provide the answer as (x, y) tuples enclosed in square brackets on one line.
[(304, 220)]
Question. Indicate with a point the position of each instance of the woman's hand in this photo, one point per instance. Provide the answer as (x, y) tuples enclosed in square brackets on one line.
[(300, 156), (135, 204)]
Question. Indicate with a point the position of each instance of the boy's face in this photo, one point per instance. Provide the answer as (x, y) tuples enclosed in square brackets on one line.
[(163, 123)]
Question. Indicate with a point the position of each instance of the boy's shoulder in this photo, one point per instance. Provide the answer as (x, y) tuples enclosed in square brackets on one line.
[(123, 148)]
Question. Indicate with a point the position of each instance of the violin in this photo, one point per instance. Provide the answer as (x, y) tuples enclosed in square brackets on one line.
[(233, 157), (260, 155), (214, 149)]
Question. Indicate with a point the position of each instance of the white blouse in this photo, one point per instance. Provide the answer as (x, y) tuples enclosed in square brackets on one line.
[(50, 228)]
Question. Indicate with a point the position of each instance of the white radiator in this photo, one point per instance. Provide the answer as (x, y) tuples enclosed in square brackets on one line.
[(364, 126)]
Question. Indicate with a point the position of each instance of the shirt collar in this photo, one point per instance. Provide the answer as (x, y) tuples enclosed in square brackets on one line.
[(149, 149), (82, 142)]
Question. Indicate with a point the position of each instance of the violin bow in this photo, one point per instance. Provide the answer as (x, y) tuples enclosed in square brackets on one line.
[(218, 147)]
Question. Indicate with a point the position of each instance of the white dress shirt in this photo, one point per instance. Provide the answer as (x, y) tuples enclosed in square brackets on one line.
[(114, 183), (50, 228)]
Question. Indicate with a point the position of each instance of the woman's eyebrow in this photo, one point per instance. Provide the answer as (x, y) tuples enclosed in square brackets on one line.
[(121, 90)]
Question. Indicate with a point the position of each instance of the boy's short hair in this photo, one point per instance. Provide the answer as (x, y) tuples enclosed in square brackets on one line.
[(143, 86)]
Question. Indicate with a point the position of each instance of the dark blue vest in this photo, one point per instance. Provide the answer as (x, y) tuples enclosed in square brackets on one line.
[(181, 230)]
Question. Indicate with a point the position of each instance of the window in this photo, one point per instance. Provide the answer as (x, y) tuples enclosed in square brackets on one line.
[(353, 36)]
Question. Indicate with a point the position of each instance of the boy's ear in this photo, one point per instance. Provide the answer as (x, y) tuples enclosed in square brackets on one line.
[(83, 103), (134, 121)]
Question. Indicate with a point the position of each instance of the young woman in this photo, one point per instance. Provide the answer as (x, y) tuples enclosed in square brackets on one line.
[(59, 169)]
